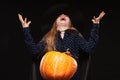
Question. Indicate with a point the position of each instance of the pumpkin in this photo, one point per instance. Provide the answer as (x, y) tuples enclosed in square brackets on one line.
[(57, 66)]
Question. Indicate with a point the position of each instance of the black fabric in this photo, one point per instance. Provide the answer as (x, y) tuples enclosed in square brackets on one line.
[(73, 41), (82, 72)]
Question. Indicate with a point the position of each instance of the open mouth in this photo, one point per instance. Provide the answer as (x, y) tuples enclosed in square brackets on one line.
[(63, 19)]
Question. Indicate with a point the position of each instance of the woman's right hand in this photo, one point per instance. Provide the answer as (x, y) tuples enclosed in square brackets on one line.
[(24, 22)]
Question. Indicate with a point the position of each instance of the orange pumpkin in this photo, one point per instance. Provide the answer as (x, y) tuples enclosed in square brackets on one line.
[(57, 66)]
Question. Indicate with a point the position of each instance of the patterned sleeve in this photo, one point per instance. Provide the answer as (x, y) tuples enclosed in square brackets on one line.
[(31, 45), (89, 45)]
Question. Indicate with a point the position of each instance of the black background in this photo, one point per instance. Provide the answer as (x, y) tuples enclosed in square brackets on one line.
[(15, 62)]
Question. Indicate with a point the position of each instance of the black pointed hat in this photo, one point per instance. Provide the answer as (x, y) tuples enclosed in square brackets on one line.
[(54, 11)]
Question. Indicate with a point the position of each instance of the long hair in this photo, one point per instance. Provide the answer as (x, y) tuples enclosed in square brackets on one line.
[(50, 36)]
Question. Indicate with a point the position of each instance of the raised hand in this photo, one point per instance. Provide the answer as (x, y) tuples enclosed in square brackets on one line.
[(97, 20), (24, 22)]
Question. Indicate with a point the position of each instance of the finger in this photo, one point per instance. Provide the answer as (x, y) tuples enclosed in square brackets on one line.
[(20, 18), (94, 18), (101, 15), (25, 19), (29, 22)]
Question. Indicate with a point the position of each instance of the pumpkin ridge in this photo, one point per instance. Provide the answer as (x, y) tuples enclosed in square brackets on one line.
[(57, 65), (43, 64), (66, 67)]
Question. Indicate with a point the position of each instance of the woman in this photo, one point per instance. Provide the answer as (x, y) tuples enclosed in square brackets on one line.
[(63, 37)]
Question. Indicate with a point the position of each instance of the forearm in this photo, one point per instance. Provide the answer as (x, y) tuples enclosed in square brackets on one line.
[(31, 45), (94, 37), (89, 45), (94, 34)]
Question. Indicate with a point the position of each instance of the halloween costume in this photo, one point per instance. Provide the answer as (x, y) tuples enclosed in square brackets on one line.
[(72, 40)]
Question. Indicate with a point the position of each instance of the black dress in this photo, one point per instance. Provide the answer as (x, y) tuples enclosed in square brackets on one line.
[(72, 40)]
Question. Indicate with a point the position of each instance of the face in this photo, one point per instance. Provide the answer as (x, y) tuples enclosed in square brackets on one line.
[(63, 22)]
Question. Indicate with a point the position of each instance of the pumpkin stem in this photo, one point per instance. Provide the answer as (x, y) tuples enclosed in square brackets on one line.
[(68, 52)]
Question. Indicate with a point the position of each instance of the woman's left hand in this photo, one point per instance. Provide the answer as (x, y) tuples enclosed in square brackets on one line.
[(97, 20)]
